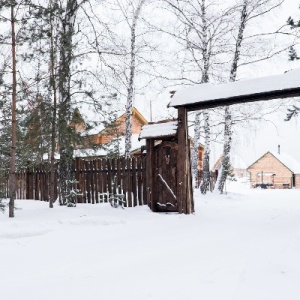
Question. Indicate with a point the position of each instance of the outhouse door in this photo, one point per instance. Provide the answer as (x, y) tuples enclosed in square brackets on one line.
[(166, 176)]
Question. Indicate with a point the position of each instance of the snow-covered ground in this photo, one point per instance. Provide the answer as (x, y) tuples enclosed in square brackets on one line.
[(243, 246)]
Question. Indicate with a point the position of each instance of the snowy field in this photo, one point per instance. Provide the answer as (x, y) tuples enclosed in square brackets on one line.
[(241, 246)]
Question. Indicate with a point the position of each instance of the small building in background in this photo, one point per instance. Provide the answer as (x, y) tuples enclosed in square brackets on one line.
[(109, 139), (239, 167), (276, 170)]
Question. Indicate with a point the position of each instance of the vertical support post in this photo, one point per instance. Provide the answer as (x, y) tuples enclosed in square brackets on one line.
[(184, 192), (150, 171)]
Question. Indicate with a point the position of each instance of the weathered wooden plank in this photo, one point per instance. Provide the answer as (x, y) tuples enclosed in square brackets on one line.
[(109, 176), (144, 181), (92, 181), (87, 182), (134, 182), (100, 180), (119, 173), (150, 165), (96, 183), (128, 179), (139, 180), (181, 161), (104, 173), (167, 187)]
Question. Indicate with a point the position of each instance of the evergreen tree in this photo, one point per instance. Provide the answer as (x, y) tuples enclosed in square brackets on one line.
[(293, 54), (114, 130), (294, 25), (37, 125)]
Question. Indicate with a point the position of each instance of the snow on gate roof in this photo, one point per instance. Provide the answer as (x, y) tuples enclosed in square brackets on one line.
[(159, 130), (264, 88)]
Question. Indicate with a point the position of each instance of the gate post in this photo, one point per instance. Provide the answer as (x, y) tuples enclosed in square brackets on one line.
[(185, 192), (150, 165)]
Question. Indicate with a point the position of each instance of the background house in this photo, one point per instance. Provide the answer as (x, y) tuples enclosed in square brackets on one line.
[(278, 169), (110, 139), (239, 167), (116, 128)]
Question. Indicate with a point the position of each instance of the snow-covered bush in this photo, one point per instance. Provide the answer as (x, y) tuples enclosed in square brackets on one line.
[(2, 206), (74, 193)]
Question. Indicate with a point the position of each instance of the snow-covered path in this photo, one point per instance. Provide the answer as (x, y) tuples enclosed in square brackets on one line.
[(244, 245)]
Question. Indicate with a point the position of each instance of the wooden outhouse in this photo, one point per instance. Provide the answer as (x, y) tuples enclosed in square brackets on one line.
[(275, 170), (163, 164)]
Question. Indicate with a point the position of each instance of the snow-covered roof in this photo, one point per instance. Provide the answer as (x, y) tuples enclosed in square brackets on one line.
[(89, 152), (210, 92), (95, 130), (290, 162), (238, 163), (56, 156), (159, 130)]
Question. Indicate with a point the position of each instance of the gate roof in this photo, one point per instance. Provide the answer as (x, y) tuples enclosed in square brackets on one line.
[(208, 95), (159, 130)]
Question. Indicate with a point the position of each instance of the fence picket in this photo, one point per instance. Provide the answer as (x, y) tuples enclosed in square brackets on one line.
[(96, 178)]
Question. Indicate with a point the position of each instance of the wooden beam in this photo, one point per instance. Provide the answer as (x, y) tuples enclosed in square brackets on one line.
[(150, 171), (287, 93), (184, 192), (167, 188)]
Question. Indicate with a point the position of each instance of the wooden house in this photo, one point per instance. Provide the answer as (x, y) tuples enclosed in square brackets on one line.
[(114, 131), (239, 167), (117, 131), (118, 128), (277, 170)]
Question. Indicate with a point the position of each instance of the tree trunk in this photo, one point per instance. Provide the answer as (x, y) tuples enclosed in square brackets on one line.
[(206, 171), (205, 78), (196, 146), (130, 84), (64, 87), (53, 126), (226, 166), (12, 175)]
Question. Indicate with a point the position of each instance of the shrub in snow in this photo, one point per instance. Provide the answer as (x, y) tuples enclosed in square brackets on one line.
[(74, 193), (2, 206)]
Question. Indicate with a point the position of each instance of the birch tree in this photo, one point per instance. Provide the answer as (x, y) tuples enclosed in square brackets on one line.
[(226, 167), (202, 29), (135, 12), (249, 10)]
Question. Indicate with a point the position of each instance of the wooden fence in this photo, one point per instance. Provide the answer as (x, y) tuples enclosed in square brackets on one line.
[(213, 179), (97, 179)]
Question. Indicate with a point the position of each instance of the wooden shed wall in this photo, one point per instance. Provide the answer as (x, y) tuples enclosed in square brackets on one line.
[(297, 181), (269, 164)]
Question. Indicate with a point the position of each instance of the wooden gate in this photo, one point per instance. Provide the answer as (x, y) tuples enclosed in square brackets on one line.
[(164, 161), (165, 175)]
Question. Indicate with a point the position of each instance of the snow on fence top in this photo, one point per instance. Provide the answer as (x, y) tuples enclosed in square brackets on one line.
[(264, 88), (159, 130)]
